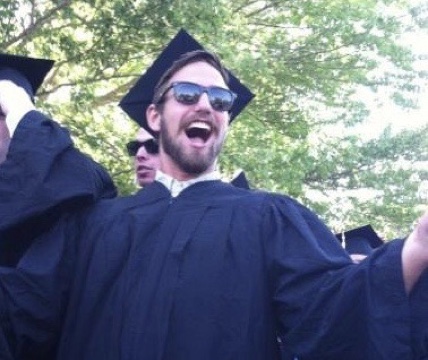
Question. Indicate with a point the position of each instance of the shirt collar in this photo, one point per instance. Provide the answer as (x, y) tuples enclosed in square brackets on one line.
[(175, 186)]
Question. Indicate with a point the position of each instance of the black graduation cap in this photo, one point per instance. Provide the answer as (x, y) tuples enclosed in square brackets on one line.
[(361, 240), (240, 180), (140, 96), (33, 70)]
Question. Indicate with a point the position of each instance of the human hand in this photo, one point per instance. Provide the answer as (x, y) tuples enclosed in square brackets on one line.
[(14, 97)]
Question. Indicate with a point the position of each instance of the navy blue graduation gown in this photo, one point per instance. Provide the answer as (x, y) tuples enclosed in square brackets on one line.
[(216, 273), (43, 177)]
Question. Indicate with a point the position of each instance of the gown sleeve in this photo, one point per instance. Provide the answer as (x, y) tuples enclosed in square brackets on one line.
[(34, 294), (44, 182), (43, 176), (326, 306)]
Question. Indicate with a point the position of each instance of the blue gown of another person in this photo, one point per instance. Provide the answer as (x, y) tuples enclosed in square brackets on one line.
[(43, 177), (218, 272)]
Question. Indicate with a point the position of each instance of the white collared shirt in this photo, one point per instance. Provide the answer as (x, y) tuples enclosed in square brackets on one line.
[(175, 186)]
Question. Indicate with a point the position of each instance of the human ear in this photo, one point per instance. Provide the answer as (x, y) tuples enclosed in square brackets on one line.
[(153, 117)]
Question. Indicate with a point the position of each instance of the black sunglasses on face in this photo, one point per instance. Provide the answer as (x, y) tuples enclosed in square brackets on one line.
[(150, 145), (188, 93)]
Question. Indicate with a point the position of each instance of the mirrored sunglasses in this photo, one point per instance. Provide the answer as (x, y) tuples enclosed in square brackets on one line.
[(188, 93), (150, 145)]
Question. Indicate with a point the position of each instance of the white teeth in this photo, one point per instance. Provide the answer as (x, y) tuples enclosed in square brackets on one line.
[(199, 125)]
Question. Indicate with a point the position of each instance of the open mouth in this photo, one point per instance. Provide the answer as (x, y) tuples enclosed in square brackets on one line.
[(199, 130)]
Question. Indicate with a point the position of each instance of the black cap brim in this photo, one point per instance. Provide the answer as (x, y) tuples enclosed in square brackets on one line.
[(140, 96), (361, 240), (35, 70)]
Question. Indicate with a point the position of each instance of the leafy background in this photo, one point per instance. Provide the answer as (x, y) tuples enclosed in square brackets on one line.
[(314, 65)]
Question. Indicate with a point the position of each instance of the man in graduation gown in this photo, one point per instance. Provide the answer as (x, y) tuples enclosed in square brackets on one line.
[(28, 204), (360, 242), (194, 268)]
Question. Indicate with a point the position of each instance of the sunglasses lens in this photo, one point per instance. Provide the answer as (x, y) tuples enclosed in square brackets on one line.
[(132, 147), (187, 93), (151, 146), (220, 99)]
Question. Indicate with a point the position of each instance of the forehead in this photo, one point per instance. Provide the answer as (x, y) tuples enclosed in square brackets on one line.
[(200, 73), (143, 135)]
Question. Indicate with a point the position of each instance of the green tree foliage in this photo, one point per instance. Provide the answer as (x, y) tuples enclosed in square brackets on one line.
[(306, 61)]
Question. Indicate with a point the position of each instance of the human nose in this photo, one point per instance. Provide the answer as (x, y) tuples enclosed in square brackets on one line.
[(142, 153), (204, 102)]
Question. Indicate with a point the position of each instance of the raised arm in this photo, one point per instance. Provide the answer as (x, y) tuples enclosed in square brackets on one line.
[(415, 253), (43, 176)]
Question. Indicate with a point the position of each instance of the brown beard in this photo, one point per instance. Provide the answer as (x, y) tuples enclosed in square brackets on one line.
[(196, 164)]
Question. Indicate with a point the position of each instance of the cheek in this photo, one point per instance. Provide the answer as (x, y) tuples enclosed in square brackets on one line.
[(156, 160), (171, 120), (223, 120), (175, 111)]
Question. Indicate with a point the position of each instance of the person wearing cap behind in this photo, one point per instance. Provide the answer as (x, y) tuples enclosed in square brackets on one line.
[(44, 149), (145, 152), (191, 267), (360, 242), (363, 241)]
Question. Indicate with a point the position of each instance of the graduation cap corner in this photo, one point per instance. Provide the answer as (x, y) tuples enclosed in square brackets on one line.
[(140, 96), (361, 240), (33, 70)]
